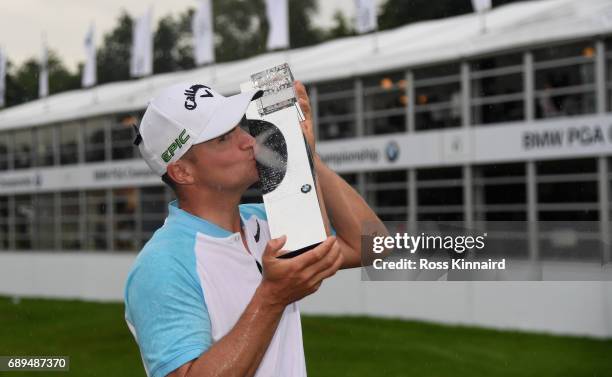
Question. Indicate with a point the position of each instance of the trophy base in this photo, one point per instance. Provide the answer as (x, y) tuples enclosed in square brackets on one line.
[(295, 253)]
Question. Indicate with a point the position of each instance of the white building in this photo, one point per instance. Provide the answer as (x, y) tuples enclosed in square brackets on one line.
[(439, 120)]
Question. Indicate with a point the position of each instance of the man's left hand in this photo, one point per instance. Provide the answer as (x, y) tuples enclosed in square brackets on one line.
[(304, 102)]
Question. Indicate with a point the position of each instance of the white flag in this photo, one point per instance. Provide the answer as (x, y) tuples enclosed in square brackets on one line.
[(2, 78), (89, 77), (277, 12), (365, 18), (43, 75), (203, 34), (481, 5), (141, 62)]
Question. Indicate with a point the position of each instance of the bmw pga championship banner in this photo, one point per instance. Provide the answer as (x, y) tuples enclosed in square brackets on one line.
[(546, 139)]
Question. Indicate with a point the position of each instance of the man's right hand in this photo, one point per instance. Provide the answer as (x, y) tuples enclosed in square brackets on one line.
[(289, 280)]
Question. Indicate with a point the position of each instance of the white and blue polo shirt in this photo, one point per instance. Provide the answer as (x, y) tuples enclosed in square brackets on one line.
[(191, 283)]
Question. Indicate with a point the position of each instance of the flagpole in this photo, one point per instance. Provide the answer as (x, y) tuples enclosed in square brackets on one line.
[(481, 7), (483, 23), (3, 65), (151, 50), (288, 55), (288, 46), (46, 70), (375, 40), (366, 21), (203, 42), (213, 71)]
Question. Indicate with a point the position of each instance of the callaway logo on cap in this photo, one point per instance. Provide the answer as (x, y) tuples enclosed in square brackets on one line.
[(183, 115), (190, 102)]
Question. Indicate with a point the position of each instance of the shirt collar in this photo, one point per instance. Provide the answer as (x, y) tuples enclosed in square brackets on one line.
[(179, 216)]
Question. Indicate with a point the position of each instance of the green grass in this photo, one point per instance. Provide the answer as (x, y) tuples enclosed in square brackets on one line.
[(98, 342)]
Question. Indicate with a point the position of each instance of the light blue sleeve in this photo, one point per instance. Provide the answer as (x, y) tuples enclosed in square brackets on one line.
[(165, 307)]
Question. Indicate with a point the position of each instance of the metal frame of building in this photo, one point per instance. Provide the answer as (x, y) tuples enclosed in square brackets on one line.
[(67, 184)]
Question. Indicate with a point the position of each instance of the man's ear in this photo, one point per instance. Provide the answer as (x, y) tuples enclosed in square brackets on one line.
[(181, 172)]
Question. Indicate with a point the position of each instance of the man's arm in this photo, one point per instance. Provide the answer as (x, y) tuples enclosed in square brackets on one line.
[(348, 212), (240, 351), (340, 203)]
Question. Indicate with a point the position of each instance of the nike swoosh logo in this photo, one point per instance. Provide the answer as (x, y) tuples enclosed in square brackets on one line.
[(257, 234)]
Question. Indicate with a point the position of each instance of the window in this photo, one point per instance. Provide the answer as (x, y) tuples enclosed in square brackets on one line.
[(609, 177), (122, 137), (96, 212), (609, 73), (437, 100), (440, 194), (69, 139), (384, 103), (45, 146), (387, 194), (565, 80), (70, 220), (500, 192), (23, 149), (4, 223), (500, 200), (24, 222), (6, 150), (95, 139), (497, 89), (154, 210), (567, 190), (45, 222), (336, 108), (125, 212)]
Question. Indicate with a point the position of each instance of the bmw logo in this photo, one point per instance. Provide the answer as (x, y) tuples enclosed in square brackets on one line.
[(305, 188), (392, 151)]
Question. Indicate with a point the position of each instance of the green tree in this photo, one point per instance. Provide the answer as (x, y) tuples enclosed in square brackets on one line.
[(164, 53), (22, 81), (172, 43), (60, 78), (238, 29), (113, 57), (184, 44), (396, 13), (342, 27), (301, 30)]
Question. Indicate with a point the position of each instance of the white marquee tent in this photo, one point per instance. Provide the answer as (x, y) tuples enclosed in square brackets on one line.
[(513, 26)]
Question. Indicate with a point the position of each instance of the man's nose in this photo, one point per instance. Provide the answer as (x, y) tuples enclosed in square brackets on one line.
[(246, 140)]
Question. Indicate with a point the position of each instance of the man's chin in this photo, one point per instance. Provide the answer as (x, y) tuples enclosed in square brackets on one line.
[(254, 182)]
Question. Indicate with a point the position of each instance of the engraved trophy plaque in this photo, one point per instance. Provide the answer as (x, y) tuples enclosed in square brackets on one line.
[(284, 163)]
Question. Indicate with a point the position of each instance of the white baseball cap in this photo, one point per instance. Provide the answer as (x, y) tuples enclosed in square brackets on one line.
[(183, 115)]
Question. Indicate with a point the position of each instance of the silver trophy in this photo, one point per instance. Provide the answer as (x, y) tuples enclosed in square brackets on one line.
[(284, 162)]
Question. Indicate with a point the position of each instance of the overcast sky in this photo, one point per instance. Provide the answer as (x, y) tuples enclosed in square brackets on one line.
[(65, 22)]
